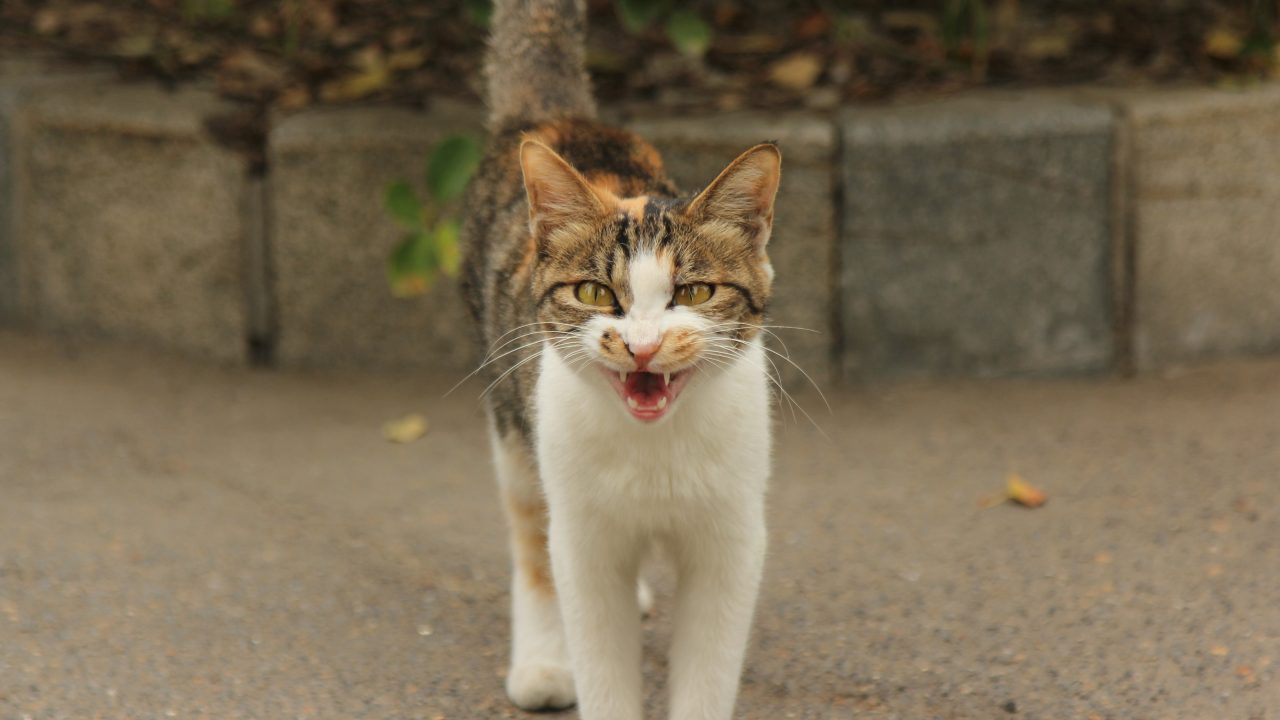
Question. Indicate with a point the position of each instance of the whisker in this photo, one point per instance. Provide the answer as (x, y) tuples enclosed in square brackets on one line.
[(796, 366), (487, 361)]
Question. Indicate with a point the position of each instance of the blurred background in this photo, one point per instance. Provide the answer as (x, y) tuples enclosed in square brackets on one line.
[(1027, 351)]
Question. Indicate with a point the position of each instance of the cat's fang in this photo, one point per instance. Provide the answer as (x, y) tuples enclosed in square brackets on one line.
[(632, 403), (666, 380), (622, 376), (662, 402)]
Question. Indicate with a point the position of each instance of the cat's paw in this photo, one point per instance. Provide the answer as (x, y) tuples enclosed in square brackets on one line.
[(644, 596), (541, 687)]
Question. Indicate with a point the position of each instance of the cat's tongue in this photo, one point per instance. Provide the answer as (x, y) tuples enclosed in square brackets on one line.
[(647, 395)]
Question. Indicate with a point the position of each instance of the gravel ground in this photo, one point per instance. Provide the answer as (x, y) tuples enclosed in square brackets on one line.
[(184, 541)]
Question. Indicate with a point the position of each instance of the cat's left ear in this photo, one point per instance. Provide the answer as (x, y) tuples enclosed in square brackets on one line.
[(742, 195)]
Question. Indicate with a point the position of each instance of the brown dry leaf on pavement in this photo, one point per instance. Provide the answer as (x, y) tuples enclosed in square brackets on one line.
[(1023, 492), (406, 429)]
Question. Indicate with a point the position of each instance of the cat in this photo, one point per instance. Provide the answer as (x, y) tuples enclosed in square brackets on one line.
[(628, 403)]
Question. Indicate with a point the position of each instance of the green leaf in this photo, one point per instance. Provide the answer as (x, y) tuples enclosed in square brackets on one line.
[(451, 166), (412, 267), (636, 15), (689, 33), (447, 246), (403, 204), (480, 11), (197, 10)]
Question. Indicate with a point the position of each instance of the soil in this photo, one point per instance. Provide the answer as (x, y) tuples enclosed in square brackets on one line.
[(794, 53)]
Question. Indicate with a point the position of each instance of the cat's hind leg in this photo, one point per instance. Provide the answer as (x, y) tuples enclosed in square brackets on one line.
[(539, 677)]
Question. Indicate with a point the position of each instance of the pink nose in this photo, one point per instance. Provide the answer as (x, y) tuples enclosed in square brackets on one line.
[(643, 353)]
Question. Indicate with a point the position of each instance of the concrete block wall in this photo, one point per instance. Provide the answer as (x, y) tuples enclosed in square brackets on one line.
[(976, 237), (1205, 223), (131, 223), (1000, 234)]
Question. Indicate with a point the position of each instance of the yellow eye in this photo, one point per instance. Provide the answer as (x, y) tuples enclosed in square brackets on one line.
[(593, 293), (695, 294)]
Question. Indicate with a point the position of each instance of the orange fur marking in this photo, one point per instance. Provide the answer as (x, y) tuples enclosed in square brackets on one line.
[(529, 532), (634, 206)]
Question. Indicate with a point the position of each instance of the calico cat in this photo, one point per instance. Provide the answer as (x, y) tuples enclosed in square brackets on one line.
[(628, 400)]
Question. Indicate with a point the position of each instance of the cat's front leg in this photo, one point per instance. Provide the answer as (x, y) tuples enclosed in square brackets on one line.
[(719, 566), (595, 571)]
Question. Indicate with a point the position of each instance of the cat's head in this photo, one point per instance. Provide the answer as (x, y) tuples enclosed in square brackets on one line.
[(645, 294)]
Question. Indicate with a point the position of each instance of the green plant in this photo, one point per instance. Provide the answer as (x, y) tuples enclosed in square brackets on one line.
[(1260, 42), (966, 31), (689, 33), (479, 11), (429, 246), (207, 10)]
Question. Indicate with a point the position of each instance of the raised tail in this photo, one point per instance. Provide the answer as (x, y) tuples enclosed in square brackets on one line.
[(536, 65)]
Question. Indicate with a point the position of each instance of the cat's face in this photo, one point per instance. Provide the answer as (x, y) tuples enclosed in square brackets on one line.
[(644, 294)]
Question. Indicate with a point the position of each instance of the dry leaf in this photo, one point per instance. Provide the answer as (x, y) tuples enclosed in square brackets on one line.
[(354, 87), (407, 59), (1023, 492), (1219, 650), (1048, 46), (294, 98), (1102, 558), (406, 429), (1223, 44), (798, 71)]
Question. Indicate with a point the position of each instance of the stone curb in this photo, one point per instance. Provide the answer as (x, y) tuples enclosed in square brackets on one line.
[(1203, 220), (128, 221), (990, 234), (975, 237)]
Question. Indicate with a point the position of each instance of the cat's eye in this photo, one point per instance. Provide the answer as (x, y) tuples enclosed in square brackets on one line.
[(593, 293), (694, 294)]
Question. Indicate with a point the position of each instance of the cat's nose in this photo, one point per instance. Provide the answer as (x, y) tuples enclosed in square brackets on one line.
[(643, 352)]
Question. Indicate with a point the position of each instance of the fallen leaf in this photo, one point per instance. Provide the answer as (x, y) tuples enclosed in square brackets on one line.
[(1023, 492), (356, 86), (1220, 525), (1102, 558), (1048, 46), (1244, 671), (47, 22), (294, 98), (407, 59), (1219, 650), (1223, 44), (798, 71), (1213, 570), (406, 429)]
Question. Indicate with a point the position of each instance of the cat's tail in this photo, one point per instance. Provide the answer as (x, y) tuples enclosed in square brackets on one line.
[(536, 65)]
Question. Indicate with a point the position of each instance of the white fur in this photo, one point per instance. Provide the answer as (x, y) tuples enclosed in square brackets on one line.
[(539, 676), (692, 482)]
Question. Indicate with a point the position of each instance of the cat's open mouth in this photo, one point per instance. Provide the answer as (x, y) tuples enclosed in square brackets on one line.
[(648, 395)]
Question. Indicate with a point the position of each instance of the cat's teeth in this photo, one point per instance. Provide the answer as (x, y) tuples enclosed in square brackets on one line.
[(632, 402), (662, 402), (666, 378), (622, 376)]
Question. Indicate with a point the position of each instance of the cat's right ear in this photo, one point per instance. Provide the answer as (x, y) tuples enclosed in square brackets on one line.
[(561, 202)]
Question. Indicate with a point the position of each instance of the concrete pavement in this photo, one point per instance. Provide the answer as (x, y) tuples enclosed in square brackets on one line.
[(184, 541)]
